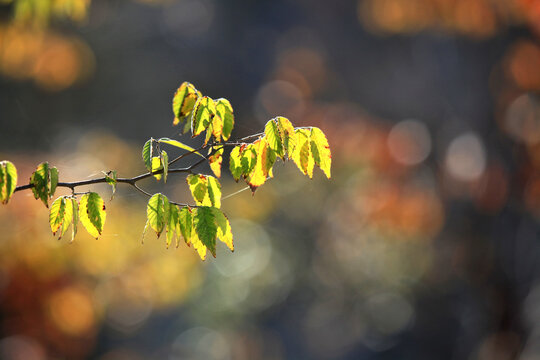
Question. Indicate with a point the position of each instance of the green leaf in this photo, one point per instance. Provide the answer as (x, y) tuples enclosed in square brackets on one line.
[(185, 220), (183, 102), (8, 180), (205, 226), (235, 163), (288, 135), (110, 178), (213, 192), (225, 111), (157, 212), (41, 180), (204, 112), (147, 154), (180, 145), (92, 213), (224, 232), (273, 138), (249, 159), (172, 224), (197, 185), (320, 150), (54, 181), (165, 161), (156, 165), (215, 161)]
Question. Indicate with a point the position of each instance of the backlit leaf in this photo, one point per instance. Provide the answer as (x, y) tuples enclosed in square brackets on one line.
[(197, 185), (217, 127), (302, 153), (321, 151), (180, 145), (41, 180), (273, 137), (53, 180), (8, 180), (224, 232), (266, 158), (185, 221), (183, 102), (165, 162), (235, 163), (205, 227), (75, 218), (225, 112), (203, 114), (147, 154), (249, 159), (110, 178), (288, 135), (157, 212), (213, 192), (156, 165), (172, 224), (56, 214), (215, 161), (92, 213), (61, 215)]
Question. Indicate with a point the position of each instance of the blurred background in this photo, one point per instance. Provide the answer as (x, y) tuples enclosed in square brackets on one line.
[(424, 245)]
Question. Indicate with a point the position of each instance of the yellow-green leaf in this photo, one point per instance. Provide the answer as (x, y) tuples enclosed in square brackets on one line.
[(41, 180), (273, 138), (288, 135), (75, 222), (156, 165), (185, 221), (165, 162), (157, 212), (225, 112), (302, 156), (92, 213), (197, 185), (56, 214), (110, 178), (180, 145), (172, 224), (147, 154), (205, 227), (203, 113), (249, 158), (61, 215), (235, 163), (53, 175), (183, 102), (213, 192), (224, 232), (320, 150), (8, 180), (262, 169), (215, 161)]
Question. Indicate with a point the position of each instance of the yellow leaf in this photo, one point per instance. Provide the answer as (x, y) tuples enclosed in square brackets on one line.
[(321, 151), (302, 153), (215, 161), (92, 213)]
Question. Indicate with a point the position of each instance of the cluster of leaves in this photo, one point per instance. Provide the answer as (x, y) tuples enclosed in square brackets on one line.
[(203, 223)]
